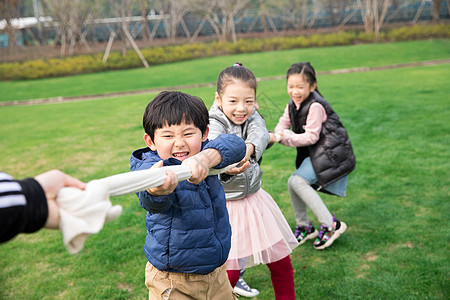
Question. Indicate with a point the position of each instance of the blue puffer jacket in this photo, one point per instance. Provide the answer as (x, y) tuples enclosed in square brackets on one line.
[(188, 231)]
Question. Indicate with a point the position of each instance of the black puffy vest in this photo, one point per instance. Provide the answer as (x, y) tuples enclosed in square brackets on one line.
[(332, 156)]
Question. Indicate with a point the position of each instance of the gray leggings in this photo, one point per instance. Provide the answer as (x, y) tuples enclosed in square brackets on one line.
[(303, 196)]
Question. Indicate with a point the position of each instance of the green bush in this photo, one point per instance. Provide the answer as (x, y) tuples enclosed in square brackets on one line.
[(419, 32), (56, 67)]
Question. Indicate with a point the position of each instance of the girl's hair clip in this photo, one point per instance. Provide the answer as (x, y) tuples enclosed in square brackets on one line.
[(237, 64)]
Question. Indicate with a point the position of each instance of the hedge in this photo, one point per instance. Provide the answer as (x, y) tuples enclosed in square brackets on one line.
[(56, 67)]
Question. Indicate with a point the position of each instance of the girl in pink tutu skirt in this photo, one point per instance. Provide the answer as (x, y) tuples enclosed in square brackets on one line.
[(260, 233)]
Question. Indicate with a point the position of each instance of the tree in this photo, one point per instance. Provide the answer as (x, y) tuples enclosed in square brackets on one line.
[(221, 15), (336, 9), (72, 17), (9, 10), (145, 9), (172, 14), (265, 9), (435, 4), (297, 13), (198, 9), (373, 13), (177, 10), (123, 9), (435, 10)]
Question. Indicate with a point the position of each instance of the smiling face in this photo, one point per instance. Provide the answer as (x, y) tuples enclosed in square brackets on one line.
[(299, 88), (237, 101), (178, 141)]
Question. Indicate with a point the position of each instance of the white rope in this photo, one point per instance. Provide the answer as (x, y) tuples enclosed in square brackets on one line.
[(133, 182), (83, 213)]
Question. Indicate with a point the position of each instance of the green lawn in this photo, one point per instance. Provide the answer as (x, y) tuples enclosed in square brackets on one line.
[(206, 70), (397, 207)]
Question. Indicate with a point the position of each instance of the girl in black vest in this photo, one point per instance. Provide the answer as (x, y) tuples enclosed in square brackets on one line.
[(324, 155)]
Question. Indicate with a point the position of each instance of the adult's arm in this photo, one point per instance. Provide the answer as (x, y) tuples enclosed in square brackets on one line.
[(23, 206)]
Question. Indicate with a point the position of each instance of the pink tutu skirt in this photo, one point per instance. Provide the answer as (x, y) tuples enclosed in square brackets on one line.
[(259, 232)]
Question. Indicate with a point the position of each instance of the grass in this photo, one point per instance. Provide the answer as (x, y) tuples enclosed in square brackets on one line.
[(206, 70), (397, 204)]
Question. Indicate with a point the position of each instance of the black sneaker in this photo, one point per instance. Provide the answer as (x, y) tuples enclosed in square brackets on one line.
[(304, 233), (328, 235)]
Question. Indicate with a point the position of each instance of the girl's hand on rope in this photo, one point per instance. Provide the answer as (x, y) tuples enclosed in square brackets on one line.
[(244, 163), (277, 137), (238, 169), (169, 184)]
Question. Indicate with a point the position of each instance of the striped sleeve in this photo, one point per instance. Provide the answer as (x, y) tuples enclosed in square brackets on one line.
[(23, 206), (10, 192)]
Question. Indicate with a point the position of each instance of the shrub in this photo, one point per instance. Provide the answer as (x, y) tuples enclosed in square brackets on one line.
[(419, 32)]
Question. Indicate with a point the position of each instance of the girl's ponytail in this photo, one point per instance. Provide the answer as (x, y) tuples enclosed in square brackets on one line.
[(236, 72)]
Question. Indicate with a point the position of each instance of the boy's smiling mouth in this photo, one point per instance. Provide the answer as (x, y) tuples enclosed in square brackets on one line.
[(181, 155)]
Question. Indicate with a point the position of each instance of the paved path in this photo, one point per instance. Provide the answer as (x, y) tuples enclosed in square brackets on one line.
[(181, 87)]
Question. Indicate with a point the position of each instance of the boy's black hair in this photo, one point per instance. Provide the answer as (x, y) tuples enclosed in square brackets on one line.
[(172, 108), (235, 72), (305, 69)]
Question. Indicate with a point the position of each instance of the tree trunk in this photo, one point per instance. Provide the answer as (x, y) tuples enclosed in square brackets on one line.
[(167, 25), (11, 33), (185, 28), (219, 34), (232, 29), (155, 29), (145, 28), (435, 10), (272, 24), (419, 12), (198, 30), (173, 29), (263, 14), (144, 12)]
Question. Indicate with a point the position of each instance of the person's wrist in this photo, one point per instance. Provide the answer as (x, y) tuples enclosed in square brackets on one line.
[(53, 215), (250, 147), (211, 156)]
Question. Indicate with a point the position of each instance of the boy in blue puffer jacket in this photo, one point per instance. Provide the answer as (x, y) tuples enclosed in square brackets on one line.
[(188, 231)]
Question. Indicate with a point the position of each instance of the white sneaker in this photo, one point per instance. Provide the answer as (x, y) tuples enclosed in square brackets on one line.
[(243, 289)]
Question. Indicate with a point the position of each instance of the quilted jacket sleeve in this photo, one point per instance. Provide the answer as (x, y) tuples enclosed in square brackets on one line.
[(231, 147), (257, 134)]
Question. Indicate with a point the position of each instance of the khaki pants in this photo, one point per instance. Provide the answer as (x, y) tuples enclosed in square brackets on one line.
[(183, 286)]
